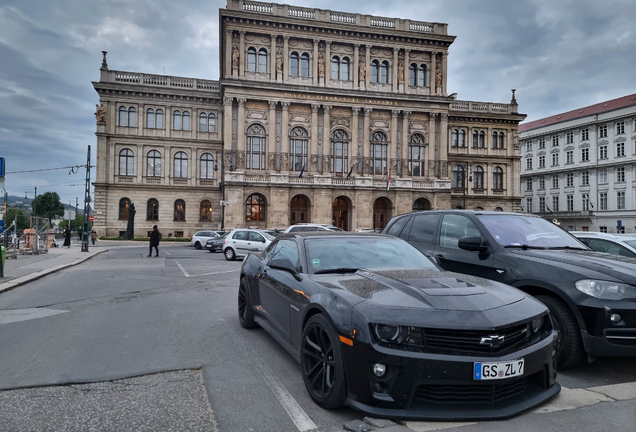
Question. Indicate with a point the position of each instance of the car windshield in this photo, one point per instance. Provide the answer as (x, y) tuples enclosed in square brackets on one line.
[(632, 243), (338, 254), (223, 236), (521, 231), (270, 235)]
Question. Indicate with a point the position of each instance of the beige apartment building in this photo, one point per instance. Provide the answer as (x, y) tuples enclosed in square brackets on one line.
[(318, 116)]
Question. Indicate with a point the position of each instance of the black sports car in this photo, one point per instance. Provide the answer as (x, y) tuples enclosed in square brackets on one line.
[(377, 326)]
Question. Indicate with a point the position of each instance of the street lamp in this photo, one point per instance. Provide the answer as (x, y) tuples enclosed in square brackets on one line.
[(222, 184), (464, 184)]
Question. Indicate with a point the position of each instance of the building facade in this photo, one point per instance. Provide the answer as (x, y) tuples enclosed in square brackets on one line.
[(577, 167), (319, 116)]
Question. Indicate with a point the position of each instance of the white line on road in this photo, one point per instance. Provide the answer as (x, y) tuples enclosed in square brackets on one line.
[(296, 413), (165, 251), (185, 273)]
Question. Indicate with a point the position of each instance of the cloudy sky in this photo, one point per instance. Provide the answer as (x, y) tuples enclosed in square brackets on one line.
[(558, 54)]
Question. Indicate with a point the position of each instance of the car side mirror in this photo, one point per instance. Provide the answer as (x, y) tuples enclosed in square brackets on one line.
[(473, 244), (283, 264)]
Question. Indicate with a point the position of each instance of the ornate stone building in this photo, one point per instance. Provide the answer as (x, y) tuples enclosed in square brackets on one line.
[(319, 116)]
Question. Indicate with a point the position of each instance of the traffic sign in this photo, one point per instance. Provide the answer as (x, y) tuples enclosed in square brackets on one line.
[(2, 167), (91, 218), (1, 226)]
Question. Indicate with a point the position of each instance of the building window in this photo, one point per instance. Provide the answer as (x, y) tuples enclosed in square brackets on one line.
[(602, 200), (602, 229), (497, 178), (304, 65), (126, 162), (251, 59), (262, 60), (585, 134), (344, 69), (602, 131), (153, 164), (462, 138), (585, 178), (555, 159), (458, 177), (555, 140), (620, 149), (417, 75), (207, 123), (416, 155), (207, 166), (379, 146), (529, 205), (205, 211), (541, 161), (555, 182), (124, 204), (497, 140), (475, 139), (384, 72), (529, 184), (569, 180), (482, 139), (585, 202), (478, 174), (180, 165), (294, 64), (176, 120), (340, 151), (620, 128), (541, 182), (569, 137), (555, 203), (150, 118), (570, 202), (529, 146), (132, 117), (541, 143), (256, 147), (159, 119), (455, 138), (340, 68), (569, 157), (179, 210), (123, 116), (379, 72), (152, 210), (298, 139), (335, 68), (620, 200), (620, 174), (602, 152), (585, 155), (602, 176), (255, 208), (541, 204)]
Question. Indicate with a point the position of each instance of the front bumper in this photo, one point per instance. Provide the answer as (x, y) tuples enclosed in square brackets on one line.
[(214, 248), (601, 336), (441, 387)]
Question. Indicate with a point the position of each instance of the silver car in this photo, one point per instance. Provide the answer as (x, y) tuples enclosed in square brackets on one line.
[(201, 237), (615, 244), (240, 242)]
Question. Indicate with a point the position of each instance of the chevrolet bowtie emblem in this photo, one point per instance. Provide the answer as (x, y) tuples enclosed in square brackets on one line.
[(492, 341)]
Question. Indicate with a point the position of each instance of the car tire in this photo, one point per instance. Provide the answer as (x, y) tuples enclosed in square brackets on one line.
[(246, 313), (570, 352), (229, 253), (197, 246), (211, 251), (319, 337)]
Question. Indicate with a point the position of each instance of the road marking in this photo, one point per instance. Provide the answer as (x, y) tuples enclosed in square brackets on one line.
[(16, 315), (198, 268), (185, 273), (296, 413), (166, 252)]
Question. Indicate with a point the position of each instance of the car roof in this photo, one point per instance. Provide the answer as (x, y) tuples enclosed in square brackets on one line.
[(473, 212), (307, 234), (608, 236)]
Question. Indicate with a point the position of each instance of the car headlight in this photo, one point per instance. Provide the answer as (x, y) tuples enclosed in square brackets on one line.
[(537, 323), (606, 290), (388, 333)]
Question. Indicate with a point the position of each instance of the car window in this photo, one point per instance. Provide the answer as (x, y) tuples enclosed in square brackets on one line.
[(610, 247), (513, 230), (455, 227), (198, 234), (424, 227), (396, 228), (240, 235), (256, 237), (285, 249), (270, 235)]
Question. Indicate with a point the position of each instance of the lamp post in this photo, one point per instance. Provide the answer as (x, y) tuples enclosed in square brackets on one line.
[(222, 184), (35, 215), (464, 184)]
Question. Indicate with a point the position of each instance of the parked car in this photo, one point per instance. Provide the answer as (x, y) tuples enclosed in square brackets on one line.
[(377, 326), (216, 244), (306, 227), (590, 294), (240, 242), (619, 244), (201, 237)]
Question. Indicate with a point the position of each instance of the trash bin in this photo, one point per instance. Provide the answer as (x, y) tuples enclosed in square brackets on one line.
[(4, 254)]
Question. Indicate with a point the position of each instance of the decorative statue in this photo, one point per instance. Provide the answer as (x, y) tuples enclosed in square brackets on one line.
[(279, 63), (321, 66), (363, 73), (400, 72), (235, 58), (100, 114), (438, 78), (130, 229)]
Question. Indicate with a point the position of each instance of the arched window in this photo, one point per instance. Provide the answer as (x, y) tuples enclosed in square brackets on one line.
[(298, 210), (176, 120), (339, 151), (478, 174), (207, 166), (124, 204), (498, 209), (375, 71), (495, 138), (205, 211), (123, 116), (132, 117), (126, 162), (150, 118), (462, 138), (179, 210), (335, 68), (384, 72), (153, 164), (497, 178), (482, 139), (478, 208), (379, 146), (304, 65), (298, 139), (256, 147), (458, 176), (152, 210), (421, 76), (421, 204), (180, 165), (186, 121), (212, 123), (455, 137), (255, 208), (413, 75), (251, 59), (159, 119), (417, 148), (262, 60), (475, 139), (501, 140), (203, 122), (293, 64), (344, 69)]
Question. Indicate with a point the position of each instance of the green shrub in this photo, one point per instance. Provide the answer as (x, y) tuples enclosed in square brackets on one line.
[(145, 239)]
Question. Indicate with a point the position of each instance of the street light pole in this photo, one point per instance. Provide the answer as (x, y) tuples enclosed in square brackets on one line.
[(35, 214), (222, 184)]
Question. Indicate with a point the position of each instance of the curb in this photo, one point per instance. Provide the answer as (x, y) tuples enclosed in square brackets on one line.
[(6, 286)]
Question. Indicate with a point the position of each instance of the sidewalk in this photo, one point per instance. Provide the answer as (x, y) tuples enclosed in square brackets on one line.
[(27, 268)]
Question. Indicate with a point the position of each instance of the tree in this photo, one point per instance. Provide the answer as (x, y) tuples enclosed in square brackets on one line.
[(48, 205), (22, 221)]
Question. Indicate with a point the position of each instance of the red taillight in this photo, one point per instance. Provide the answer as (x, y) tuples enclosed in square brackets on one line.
[(223, 241)]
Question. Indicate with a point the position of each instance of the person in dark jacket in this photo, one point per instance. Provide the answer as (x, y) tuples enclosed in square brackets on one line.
[(155, 236), (67, 237)]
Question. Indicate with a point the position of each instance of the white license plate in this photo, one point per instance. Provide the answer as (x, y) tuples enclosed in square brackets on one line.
[(500, 370)]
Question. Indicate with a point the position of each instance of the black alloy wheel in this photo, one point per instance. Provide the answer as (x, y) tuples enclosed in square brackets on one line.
[(197, 245), (229, 254), (246, 313), (570, 351), (321, 360)]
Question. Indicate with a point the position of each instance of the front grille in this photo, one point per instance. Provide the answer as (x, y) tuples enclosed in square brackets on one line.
[(473, 393)]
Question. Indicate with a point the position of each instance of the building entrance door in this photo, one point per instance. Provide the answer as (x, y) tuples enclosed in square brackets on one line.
[(298, 210), (380, 214), (341, 213)]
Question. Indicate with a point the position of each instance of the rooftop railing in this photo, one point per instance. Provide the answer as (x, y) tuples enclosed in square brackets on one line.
[(485, 107), (161, 81)]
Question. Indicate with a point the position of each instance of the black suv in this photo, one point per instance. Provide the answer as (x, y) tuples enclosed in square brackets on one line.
[(591, 295)]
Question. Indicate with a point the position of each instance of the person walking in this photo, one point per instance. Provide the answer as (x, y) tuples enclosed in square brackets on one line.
[(155, 236), (67, 237), (93, 237)]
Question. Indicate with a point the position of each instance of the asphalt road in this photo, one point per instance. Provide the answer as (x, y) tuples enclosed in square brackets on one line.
[(137, 343)]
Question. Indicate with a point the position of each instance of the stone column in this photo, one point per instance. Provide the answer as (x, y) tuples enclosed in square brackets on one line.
[(227, 123), (444, 71), (443, 139), (353, 151), (228, 54), (326, 134), (286, 59), (431, 73), (392, 153), (284, 138), (356, 49), (430, 153), (328, 63), (271, 136), (365, 138), (367, 63), (168, 165), (314, 64), (240, 141), (272, 60), (405, 141), (394, 71), (242, 54), (313, 139), (407, 71)]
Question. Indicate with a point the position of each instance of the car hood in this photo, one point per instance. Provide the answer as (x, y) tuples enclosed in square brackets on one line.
[(423, 289), (614, 266)]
